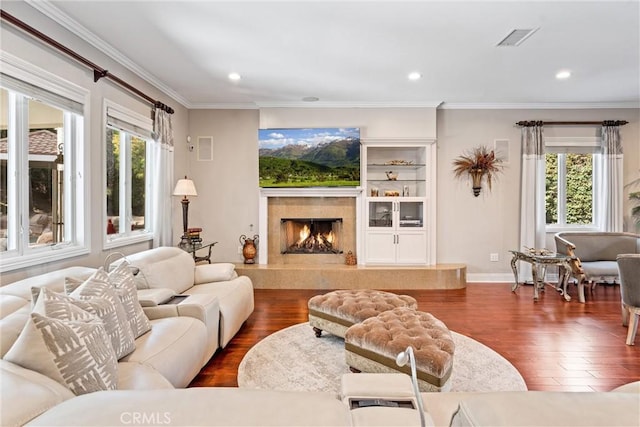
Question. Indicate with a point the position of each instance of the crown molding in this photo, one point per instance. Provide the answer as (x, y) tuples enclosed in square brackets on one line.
[(52, 12), (537, 105), (224, 106), (337, 104)]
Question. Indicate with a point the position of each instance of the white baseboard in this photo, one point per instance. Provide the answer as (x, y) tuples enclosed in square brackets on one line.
[(501, 277)]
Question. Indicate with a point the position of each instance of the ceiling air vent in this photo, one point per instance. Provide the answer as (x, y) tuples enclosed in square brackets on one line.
[(516, 37)]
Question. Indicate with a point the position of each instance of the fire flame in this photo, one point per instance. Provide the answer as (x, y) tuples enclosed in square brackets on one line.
[(330, 237), (304, 233)]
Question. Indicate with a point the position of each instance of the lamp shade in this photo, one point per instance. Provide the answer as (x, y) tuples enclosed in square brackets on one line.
[(185, 187)]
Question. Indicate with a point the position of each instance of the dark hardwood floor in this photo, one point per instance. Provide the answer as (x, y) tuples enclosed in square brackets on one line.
[(556, 345)]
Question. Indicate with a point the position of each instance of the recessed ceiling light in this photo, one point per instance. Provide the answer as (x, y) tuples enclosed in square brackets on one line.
[(414, 76), (563, 74), (234, 76), (310, 99)]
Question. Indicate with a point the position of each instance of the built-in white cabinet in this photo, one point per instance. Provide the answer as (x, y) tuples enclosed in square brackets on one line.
[(396, 231), (396, 181)]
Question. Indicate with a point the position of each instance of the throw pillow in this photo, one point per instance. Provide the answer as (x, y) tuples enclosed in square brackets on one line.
[(89, 293), (67, 344), (121, 278)]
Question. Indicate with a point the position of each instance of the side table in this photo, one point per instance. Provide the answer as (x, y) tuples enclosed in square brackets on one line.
[(541, 262), (193, 249)]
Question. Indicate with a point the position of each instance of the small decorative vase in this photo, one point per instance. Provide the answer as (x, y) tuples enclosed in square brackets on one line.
[(249, 249), (476, 177), (350, 259)]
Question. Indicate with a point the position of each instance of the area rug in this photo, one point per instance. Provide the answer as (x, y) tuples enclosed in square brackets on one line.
[(293, 359)]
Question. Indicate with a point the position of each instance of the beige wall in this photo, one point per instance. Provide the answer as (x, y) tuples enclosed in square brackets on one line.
[(227, 202), (470, 228), (373, 122), (25, 47)]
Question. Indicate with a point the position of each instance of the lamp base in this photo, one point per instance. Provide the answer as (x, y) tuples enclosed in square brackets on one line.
[(185, 243)]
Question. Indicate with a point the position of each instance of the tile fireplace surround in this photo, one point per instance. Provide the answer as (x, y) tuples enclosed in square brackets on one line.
[(328, 271)]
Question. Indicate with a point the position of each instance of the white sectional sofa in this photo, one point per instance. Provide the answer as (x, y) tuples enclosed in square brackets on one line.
[(174, 271), (180, 340)]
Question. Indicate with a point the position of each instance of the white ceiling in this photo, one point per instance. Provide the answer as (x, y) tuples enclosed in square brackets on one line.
[(359, 53)]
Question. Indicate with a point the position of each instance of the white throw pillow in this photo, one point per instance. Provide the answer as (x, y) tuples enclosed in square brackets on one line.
[(121, 278), (115, 320), (67, 344), (218, 272)]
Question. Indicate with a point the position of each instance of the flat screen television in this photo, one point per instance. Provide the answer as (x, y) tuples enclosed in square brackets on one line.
[(309, 157)]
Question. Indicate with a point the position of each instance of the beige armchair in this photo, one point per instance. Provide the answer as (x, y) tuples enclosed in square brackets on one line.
[(629, 266), (593, 255)]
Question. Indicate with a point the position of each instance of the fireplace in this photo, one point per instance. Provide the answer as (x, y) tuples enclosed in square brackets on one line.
[(338, 206), (310, 235)]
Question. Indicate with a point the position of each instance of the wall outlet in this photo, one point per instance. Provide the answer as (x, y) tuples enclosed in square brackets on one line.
[(240, 250), (494, 257)]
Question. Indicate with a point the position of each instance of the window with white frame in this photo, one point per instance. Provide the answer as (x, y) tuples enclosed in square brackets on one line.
[(127, 175), (571, 178), (41, 167)]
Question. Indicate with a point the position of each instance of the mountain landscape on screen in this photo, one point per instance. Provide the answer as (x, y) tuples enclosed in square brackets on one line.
[(312, 157)]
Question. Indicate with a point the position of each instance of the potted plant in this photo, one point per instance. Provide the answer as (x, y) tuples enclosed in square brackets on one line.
[(479, 162)]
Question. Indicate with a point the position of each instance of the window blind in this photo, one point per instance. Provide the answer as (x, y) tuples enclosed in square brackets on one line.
[(40, 94), (129, 122)]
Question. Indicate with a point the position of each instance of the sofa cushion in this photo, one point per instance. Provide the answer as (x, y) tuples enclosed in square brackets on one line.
[(67, 344), (524, 408), (121, 278), (174, 347), (14, 313), (53, 280), (26, 394), (217, 272), (163, 267), (92, 291), (594, 269), (200, 406), (138, 376)]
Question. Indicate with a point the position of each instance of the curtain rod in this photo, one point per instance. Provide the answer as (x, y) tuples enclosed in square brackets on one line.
[(602, 123), (98, 72)]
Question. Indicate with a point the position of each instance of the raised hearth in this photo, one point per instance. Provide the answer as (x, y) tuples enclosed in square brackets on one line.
[(340, 276)]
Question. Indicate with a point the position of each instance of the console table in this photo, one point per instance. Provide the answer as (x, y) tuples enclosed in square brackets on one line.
[(193, 249), (540, 261)]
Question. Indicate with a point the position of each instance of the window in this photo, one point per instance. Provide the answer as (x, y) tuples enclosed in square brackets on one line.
[(570, 179), (127, 171), (41, 167)]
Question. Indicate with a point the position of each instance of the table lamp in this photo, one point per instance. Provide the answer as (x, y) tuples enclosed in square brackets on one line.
[(185, 187)]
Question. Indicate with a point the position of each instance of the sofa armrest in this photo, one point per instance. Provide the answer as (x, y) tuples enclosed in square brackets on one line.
[(161, 311), (186, 309), (216, 272), (565, 247)]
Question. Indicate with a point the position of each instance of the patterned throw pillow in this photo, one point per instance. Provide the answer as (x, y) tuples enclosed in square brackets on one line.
[(67, 344), (88, 295), (121, 278)]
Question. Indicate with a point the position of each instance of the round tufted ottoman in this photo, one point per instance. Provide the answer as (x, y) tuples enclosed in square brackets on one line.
[(372, 346), (336, 311)]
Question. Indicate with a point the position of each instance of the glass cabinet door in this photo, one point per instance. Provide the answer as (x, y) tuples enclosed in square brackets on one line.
[(381, 214), (411, 214)]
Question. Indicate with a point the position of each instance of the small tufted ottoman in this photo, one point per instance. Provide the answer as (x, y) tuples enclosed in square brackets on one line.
[(336, 311), (372, 346)]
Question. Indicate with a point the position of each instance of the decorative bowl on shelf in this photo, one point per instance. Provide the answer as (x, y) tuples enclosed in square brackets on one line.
[(391, 175)]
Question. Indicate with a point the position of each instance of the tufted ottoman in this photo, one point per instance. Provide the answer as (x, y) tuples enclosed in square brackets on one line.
[(336, 311), (372, 346)]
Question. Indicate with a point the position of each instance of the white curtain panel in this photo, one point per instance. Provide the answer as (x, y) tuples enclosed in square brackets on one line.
[(162, 183), (532, 209), (610, 201)]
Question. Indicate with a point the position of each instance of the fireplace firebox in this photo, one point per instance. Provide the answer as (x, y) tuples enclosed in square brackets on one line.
[(311, 236)]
